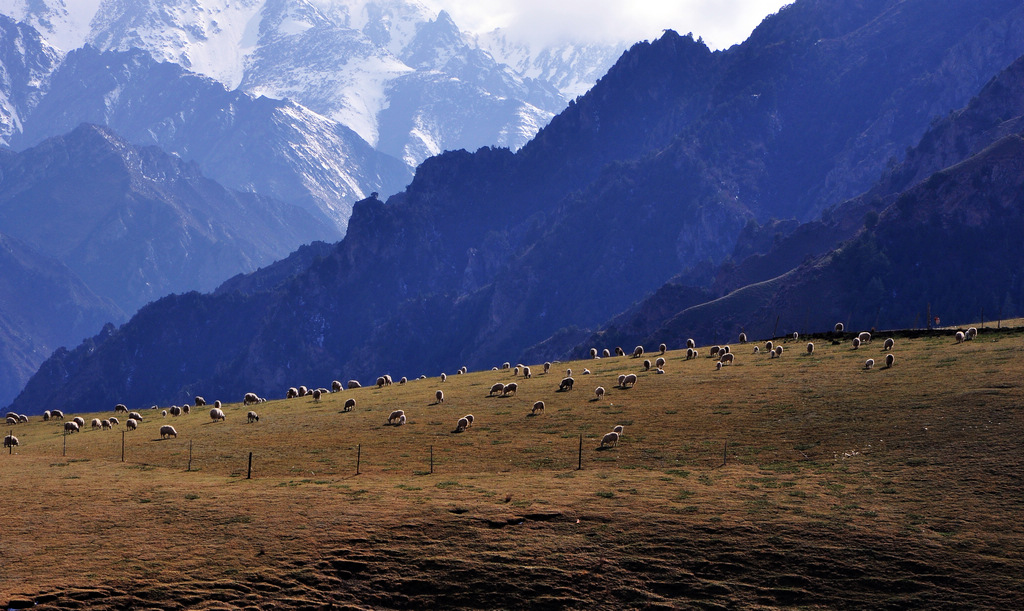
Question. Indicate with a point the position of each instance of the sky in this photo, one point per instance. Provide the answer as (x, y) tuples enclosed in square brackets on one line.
[(721, 23)]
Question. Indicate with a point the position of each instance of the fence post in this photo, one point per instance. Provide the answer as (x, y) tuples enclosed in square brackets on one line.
[(579, 463), (189, 454), (64, 452), (359, 452), (431, 460), (249, 475)]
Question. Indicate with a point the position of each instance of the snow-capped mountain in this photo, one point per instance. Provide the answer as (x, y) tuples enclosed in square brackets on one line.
[(26, 62)]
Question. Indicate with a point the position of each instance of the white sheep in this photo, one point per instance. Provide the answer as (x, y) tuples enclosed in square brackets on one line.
[(113, 420), (461, 425), (606, 353), (810, 347), (403, 380), (769, 346), (638, 352), (506, 365), (217, 414), (839, 327), (586, 372), (629, 380), (354, 384), (335, 387), (163, 413), (971, 333), (727, 358), (864, 337), (187, 409), (167, 431), (568, 373), (566, 383), (856, 343), (469, 418), (57, 414), (689, 353), (547, 367), (660, 362), (796, 336), (46, 415), (316, 395), (106, 424), (135, 416), (960, 337), (350, 404), (599, 391), (71, 427), (868, 364), (618, 429), (252, 417), (395, 415), (725, 350), (510, 389), (593, 353), (757, 349), (96, 424), (12, 420), (303, 391), (778, 351), (743, 338), (79, 421), (129, 424), (622, 377), (537, 407), (647, 365), (611, 439), (659, 370), (715, 350), (10, 441), (200, 402), (889, 360), (496, 388), (444, 376), (663, 348), (619, 351), (175, 410), (120, 407), (527, 374), (439, 396), (401, 420), (718, 366), (292, 393), (888, 344), (691, 344)]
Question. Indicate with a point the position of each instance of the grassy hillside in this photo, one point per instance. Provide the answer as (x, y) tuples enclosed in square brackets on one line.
[(842, 487)]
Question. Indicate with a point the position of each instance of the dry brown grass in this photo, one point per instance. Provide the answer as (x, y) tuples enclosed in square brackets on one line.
[(843, 487)]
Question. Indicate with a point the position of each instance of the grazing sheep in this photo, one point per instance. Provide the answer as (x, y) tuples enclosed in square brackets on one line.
[(292, 393), (72, 427), (689, 353), (200, 402), (511, 388), (113, 420), (496, 388), (12, 420), (757, 349), (96, 424), (187, 409), (527, 374), (506, 365), (647, 365), (469, 417), (355, 384), (599, 391), (79, 421), (691, 344), (960, 337), (629, 380), (547, 367), (163, 413), (120, 407), (810, 347), (619, 351), (401, 420), (778, 351), (856, 343), (971, 333), (349, 405), (444, 376), (888, 344), (167, 431), (381, 381), (252, 417), (395, 415), (715, 350), (439, 396), (638, 352), (10, 441), (303, 391), (568, 373), (566, 384), (46, 415), (586, 372), (217, 404), (743, 338), (135, 416), (659, 370), (316, 395), (57, 414), (727, 358), (129, 424), (606, 353), (403, 380), (106, 424), (725, 350), (611, 439), (537, 407), (796, 336), (22, 418), (889, 360), (839, 327), (593, 353), (618, 429), (515, 370), (622, 377), (217, 414), (461, 425), (250, 399), (336, 386), (868, 364), (864, 337), (663, 348), (769, 346), (718, 366)]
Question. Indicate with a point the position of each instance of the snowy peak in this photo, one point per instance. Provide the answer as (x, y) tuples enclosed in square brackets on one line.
[(435, 44), (26, 62), (64, 23)]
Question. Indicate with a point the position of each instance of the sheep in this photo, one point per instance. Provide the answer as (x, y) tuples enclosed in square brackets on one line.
[(638, 352), (217, 414), (316, 395), (537, 407), (113, 420), (856, 343), (163, 413), (401, 420), (187, 409), (381, 381), (250, 399), (135, 416), (506, 365), (743, 338), (622, 377), (960, 337), (167, 431), (355, 384), (129, 424), (593, 353), (200, 402), (57, 414), (725, 350), (511, 388), (469, 418), (349, 405), (839, 327), (79, 421), (439, 396), (463, 370), (105, 424), (71, 427), (395, 415), (689, 353), (718, 366), (629, 380), (120, 407), (336, 386), (586, 372), (810, 347), (971, 333), (889, 360), (10, 441), (757, 349), (868, 364), (217, 403), (796, 336), (663, 348), (769, 346), (659, 370), (691, 344), (96, 424), (496, 388), (566, 384), (252, 417), (778, 351), (864, 337), (292, 393), (568, 373), (715, 350), (527, 374), (611, 439), (619, 351), (727, 358), (444, 376), (618, 428), (303, 391), (606, 353), (547, 367), (461, 425), (12, 420), (888, 344), (403, 380), (599, 391), (647, 365), (46, 415)]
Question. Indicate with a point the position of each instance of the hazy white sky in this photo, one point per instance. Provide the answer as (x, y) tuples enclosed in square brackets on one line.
[(721, 23)]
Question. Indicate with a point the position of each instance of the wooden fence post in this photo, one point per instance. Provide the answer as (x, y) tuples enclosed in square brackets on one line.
[(122, 446), (431, 460), (249, 475), (579, 462)]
